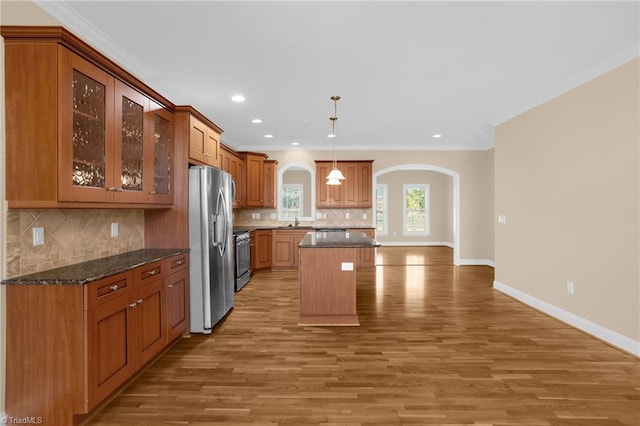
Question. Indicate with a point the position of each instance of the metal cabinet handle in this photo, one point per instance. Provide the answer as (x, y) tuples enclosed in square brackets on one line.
[(152, 192), (169, 285), (111, 188), (120, 189), (133, 305), (179, 262), (140, 301), (153, 272), (114, 287)]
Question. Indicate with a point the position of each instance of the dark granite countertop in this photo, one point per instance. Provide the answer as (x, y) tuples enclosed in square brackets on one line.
[(337, 240), (86, 272), (237, 229)]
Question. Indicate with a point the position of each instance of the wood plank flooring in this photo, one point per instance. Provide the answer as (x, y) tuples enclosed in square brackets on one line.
[(436, 346)]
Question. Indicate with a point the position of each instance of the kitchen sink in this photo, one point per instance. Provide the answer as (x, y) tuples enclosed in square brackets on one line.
[(295, 227)]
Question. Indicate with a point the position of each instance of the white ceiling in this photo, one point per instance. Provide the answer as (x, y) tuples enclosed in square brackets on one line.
[(404, 70)]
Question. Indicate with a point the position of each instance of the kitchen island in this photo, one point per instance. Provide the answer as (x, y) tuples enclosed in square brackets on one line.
[(327, 273)]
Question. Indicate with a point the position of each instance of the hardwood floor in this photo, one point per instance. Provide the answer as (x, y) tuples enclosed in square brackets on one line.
[(436, 345)]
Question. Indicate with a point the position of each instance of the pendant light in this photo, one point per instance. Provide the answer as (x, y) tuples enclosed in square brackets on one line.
[(335, 176)]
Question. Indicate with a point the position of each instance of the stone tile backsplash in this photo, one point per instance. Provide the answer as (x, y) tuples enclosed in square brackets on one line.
[(329, 218), (71, 236)]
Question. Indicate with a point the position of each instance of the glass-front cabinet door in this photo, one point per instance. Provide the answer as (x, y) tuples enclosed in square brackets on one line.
[(85, 171), (161, 131), (131, 152)]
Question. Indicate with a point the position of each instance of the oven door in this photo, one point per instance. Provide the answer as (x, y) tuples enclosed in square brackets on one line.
[(243, 260)]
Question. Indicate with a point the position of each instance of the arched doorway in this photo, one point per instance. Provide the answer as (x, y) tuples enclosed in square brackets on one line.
[(455, 196)]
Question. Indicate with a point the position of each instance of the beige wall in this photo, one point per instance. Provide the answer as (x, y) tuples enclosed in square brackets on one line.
[(476, 187), (301, 177), (440, 206), (567, 177)]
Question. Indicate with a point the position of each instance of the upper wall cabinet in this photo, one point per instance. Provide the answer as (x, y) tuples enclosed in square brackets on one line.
[(355, 190), (80, 131), (204, 144), (260, 181)]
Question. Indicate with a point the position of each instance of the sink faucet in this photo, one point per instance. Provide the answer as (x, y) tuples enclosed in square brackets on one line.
[(296, 222)]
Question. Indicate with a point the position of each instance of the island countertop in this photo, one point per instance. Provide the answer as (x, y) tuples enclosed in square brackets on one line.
[(337, 239), (86, 272)]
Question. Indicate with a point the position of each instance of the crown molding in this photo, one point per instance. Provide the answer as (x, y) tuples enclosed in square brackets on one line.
[(261, 148), (76, 23), (619, 58)]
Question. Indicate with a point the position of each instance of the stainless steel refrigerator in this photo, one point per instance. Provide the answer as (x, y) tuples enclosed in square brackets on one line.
[(211, 271)]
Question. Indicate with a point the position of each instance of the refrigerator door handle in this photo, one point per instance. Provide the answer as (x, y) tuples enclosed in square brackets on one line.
[(222, 206), (206, 280)]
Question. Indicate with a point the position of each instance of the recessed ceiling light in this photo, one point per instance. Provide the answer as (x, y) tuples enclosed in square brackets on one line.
[(256, 121), (237, 98), (437, 135), (268, 136), (295, 143)]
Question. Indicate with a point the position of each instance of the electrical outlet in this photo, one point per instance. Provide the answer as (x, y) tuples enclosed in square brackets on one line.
[(364, 216), (324, 215), (274, 216), (318, 215), (502, 218), (346, 215), (570, 287), (38, 236)]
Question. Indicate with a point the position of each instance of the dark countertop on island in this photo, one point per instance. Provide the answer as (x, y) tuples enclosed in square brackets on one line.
[(86, 272), (337, 240), (248, 228)]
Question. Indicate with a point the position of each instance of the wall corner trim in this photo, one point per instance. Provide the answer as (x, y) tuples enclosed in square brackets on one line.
[(611, 337)]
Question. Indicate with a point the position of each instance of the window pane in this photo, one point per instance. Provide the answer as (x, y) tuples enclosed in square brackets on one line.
[(292, 200), (416, 220)]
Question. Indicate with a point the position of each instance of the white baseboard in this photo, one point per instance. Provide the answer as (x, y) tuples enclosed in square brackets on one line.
[(612, 337), (415, 243), (486, 262)]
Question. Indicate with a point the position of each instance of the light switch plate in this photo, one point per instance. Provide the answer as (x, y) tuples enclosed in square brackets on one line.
[(115, 229), (502, 218), (38, 236)]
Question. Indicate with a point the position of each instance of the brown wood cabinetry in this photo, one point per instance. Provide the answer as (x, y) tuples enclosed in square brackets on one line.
[(204, 144), (86, 133), (233, 164), (285, 248), (261, 255), (270, 169), (85, 341), (365, 257), (355, 191), (254, 179)]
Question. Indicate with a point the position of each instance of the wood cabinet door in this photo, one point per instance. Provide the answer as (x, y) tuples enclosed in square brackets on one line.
[(263, 249), (111, 337), (365, 186), (270, 168), (161, 146), (350, 184), (132, 153), (177, 304), (213, 148), (86, 124), (150, 320), (323, 191), (296, 238), (255, 181), (283, 255), (197, 140)]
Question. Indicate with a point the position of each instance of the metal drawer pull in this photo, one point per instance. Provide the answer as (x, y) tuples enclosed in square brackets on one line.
[(140, 301), (133, 305), (170, 285), (114, 287), (179, 262), (153, 272)]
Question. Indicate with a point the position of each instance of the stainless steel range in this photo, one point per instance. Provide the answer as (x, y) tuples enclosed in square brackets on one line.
[(243, 259)]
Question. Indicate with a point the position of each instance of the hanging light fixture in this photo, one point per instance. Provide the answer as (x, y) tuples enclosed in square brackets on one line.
[(335, 176)]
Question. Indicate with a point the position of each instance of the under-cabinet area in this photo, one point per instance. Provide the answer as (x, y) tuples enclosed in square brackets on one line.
[(77, 334)]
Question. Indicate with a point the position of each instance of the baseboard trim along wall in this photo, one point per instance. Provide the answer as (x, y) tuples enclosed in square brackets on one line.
[(415, 243), (485, 262), (612, 337)]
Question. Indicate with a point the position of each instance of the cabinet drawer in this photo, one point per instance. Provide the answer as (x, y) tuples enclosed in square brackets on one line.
[(149, 272), (107, 289), (177, 263)]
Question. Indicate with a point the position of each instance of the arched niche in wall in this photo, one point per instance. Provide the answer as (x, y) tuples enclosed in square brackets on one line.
[(296, 182)]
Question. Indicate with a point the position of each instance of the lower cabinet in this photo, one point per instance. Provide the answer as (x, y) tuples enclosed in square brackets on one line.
[(285, 248), (365, 257), (261, 241), (85, 341)]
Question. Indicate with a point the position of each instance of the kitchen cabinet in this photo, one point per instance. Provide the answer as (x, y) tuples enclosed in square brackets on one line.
[(355, 190), (270, 171), (204, 144), (254, 179), (365, 256), (261, 241), (233, 164), (86, 341), (177, 299), (285, 248), (86, 133)]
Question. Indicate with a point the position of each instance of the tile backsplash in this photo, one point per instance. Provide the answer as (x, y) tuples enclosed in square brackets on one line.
[(353, 218), (71, 236)]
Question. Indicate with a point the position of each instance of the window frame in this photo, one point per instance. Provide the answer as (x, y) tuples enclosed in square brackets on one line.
[(385, 209), (427, 210), (284, 212)]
